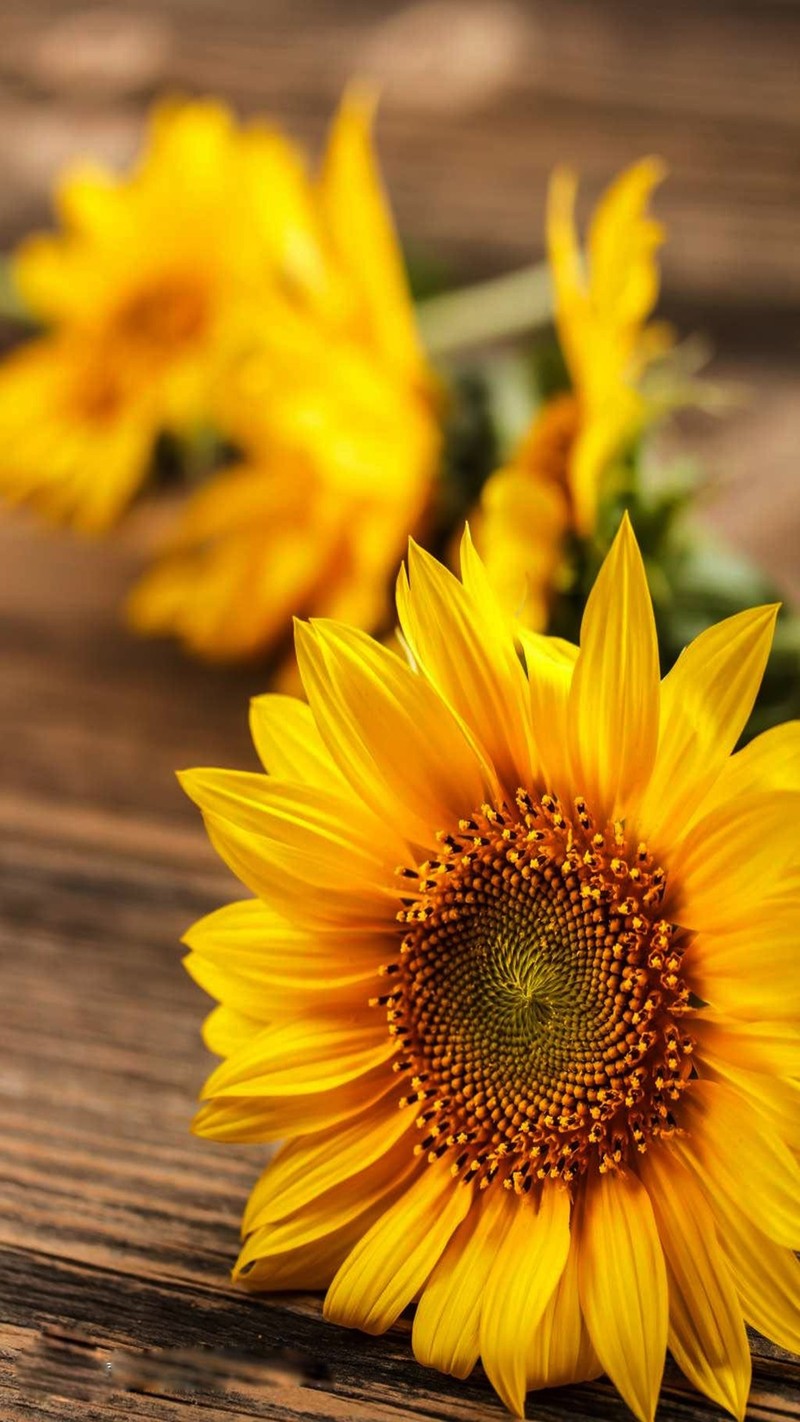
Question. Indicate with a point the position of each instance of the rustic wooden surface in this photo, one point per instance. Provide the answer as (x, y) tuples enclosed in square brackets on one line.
[(117, 1228)]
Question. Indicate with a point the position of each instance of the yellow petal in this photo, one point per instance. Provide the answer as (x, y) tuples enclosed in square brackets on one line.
[(360, 224), (225, 1030), (395, 1258), (310, 854), (775, 1100), (754, 1046), (310, 1165), (566, 265), (561, 1351), (255, 1119), (301, 817), (302, 1056), (288, 743), (521, 523), (767, 1275), (550, 663), (601, 305), (769, 762), (623, 1287), (707, 1337), (257, 963), (464, 646), (733, 859), (446, 1333), (749, 970), (706, 700), (392, 736), (526, 1271), (722, 1131), (622, 244), (311, 1265), (613, 703), (382, 1181)]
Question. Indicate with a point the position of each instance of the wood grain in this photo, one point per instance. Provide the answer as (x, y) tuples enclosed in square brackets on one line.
[(117, 1227)]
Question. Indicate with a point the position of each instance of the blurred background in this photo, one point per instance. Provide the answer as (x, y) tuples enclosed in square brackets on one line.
[(480, 99)]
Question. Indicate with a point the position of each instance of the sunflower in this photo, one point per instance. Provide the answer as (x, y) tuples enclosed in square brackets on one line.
[(338, 414), (152, 285), (517, 989), (552, 484)]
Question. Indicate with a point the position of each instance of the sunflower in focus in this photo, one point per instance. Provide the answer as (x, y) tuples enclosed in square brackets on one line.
[(551, 487), (517, 989), (146, 293), (338, 415)]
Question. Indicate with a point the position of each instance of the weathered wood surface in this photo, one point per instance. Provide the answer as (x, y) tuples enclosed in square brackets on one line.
[(117, 1228)]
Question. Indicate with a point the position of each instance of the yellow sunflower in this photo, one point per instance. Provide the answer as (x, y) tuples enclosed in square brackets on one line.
[(518, 989), (337, 411), (603, 299), (150, 288)]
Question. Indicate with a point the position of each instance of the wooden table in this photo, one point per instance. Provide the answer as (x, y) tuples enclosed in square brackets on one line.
[(117, 1226)]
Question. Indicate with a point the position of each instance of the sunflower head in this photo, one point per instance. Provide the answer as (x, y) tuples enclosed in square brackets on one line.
[(339, 416), (514, 989), (150, 287)]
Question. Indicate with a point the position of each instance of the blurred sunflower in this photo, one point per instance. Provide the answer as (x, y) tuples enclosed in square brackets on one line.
[(551, 487), (150, 288), (337, 412), (521, 1074)]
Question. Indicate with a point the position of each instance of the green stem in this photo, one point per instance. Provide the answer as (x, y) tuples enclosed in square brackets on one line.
[(486, 312)]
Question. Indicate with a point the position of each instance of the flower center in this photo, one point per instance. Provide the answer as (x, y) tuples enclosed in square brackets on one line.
[(164, 317), (538, 998)]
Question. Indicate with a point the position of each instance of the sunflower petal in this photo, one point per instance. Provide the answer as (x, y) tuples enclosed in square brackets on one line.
[(396, 1256), (753, 1046), (309, 1165), (337, 1207), (294, 816), (225, 1030), (733, 859), (561, 1351), (722, 1131), (705, 701), (613, 702), (707, 1336), (307, 1266), (301, 1056), (247, 957), (446, 1333), (550, 663), (392, 736), (526, 1271), (770, 761), (360, 223), (259, 1119), (288, 743), (623, 1287), (311, 884), (465, 647), (767, 1275), (747, 970)]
